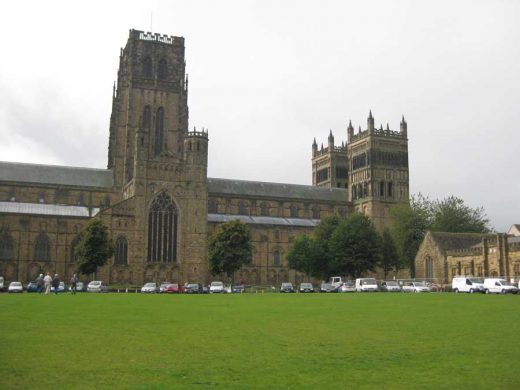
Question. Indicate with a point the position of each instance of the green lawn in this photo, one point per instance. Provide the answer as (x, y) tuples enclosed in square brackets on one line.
[(269, 341)]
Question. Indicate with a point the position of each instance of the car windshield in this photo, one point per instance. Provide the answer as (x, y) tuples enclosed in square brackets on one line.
[(476, 280), (149, 285), (16, 284), (286, 285), (217, 284), (391, 283), (368, 281), (419, 284), (95, 283), (173, 285), (349, 284), (505, 283), (306, 285), (326, 285), (193, 285)]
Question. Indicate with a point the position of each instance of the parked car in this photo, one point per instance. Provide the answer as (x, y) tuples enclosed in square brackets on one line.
[(286, 288), (15, 287), (80, 286), (150, 288), (390, 286), (61, 288), (2, 283), (32, 287), (467, 285), (306, 288), (171, 288), (216, 288), (237, 289), (366, 285), (348, 286), (162, 287), (499, 286), (327, 288), (193, 288), (336, 281), (416, 287), (97, 286)]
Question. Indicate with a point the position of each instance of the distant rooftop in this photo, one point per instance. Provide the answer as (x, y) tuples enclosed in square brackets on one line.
[(303, 222), (55, 174), (275, 190)]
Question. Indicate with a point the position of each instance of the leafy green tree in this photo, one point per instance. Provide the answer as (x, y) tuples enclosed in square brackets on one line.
[(95, 247), (307, 256), (452, 215), (390, 258), (229, 248), (356, 246)]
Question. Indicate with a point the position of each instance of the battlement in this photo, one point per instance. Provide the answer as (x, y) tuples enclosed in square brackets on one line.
[(378, 132), (198, 134), (336, 149), (156, 37), (465, 252)]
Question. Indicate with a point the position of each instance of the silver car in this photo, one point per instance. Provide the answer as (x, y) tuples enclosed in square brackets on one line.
[(416, 287), (346, 287), (97, 286), (390, 286)]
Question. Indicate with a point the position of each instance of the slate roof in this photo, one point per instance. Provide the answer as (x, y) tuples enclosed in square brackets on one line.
[(275, 190), (55, 174), (455, 241), (46, 209), (264, 220)]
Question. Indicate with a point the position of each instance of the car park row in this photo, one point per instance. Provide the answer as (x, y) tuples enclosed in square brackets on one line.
[(460, 284)]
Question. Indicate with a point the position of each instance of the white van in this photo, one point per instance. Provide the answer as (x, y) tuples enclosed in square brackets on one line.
[(467, 284), (499, 286), (366, 285)]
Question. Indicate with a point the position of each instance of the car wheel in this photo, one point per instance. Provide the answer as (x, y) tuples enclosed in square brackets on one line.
[(487, 291), (456, 291), (503, 291), (471, 291)]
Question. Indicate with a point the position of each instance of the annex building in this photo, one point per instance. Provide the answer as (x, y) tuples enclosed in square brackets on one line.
[(157, 200)]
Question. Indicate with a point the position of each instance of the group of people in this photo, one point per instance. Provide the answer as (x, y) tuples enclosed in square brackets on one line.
[(45, 283)]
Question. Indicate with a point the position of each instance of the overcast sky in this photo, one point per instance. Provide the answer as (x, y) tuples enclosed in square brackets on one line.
[(266, 77)]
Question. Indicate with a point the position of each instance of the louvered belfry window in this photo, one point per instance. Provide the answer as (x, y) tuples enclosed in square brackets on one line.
[(162, 230)]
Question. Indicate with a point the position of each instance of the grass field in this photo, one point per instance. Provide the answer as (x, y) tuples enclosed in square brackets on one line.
[(266, 341)]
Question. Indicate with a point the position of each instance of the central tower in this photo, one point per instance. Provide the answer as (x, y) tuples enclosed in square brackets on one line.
[(159, 166)]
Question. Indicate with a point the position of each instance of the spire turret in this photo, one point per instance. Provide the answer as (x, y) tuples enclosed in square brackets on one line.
[(370, 122), (314, 148), (331, 141), (404, 127)]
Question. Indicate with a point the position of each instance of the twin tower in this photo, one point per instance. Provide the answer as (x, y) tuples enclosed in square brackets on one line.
[(372, 165)]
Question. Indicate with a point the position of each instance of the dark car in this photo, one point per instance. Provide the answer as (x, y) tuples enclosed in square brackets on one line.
[(193, 288), (327, 288), (32, 287), (237, 289), (286, 288), (306, 288)]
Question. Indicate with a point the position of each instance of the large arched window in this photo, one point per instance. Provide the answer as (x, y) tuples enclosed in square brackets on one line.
[(121, 253), (429, 267), (73, 245), (162, 69), (277, 258), (159, 131), (147, 117), (42, 248), (6, 247), (147, 68), (162, 229)]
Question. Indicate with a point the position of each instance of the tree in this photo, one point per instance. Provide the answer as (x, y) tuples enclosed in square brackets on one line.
[(390, 258), (229, 248), (307, 256), (452, 215), (356, 246), (94, 248)]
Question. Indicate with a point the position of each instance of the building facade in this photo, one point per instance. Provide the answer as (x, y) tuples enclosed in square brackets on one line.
[(157, 200)]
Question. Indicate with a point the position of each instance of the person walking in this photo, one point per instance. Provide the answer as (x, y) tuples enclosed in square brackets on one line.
[(47, 280), (73, 284), (40, 283), (56, 283)]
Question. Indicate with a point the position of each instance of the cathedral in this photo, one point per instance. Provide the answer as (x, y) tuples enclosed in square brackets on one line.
[(157, 201)]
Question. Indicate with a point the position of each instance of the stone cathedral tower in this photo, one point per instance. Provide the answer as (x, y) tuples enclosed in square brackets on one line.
[(372, 165), (158, 165)]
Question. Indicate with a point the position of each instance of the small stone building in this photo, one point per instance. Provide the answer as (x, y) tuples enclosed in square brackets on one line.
[(442, 256)]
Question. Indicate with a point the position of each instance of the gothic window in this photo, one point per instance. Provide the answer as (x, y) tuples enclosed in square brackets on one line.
[(382, 188), (41, 197), (277, 260), (316, 212), (42, 248), (277, 234), (6, 247), (81, 199), (162, 69), (293, 211), (429, 267), (354, 193), (390, 189), (264, 209), (212, 206), (147, 117), (360, 191), (147, 68), (162, 229), (73, 245), (107, 200), (12, 195), (242, 208), (159, 131), (121, 252)]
